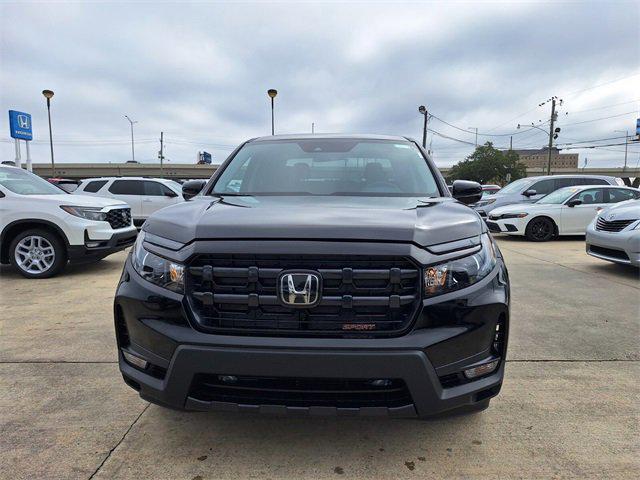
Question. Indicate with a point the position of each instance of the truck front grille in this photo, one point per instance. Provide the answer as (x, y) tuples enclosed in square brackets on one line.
[(119, 218), (361, 295), (612, 226)]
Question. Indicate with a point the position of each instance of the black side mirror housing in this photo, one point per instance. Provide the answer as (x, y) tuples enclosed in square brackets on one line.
[(170, 194), (466, 191), (530, 193), (191, 188), (574, 202)]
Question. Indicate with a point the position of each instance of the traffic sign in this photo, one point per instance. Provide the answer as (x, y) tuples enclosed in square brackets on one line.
[(20, 125)]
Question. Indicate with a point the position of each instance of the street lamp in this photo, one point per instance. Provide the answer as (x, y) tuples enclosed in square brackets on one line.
[(48, 94), (423, 110), (626, 144), (272, 92), (133, 152)]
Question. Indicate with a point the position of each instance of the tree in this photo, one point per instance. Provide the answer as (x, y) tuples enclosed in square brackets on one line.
[(489, 165)]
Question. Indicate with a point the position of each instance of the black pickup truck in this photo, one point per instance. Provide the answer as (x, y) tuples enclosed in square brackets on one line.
[(317, 275)]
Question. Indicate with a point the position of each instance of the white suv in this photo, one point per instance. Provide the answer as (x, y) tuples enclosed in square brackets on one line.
[(144, 195), (41, 227)]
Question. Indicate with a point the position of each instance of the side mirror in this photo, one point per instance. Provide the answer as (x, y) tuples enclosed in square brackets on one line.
[(191, 188), (170, 194), (574, 202), (530, 193), (466, 192)]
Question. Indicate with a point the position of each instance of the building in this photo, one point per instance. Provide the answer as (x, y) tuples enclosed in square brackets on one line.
[(539, 157)]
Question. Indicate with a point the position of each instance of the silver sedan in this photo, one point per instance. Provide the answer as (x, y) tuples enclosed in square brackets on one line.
[(614, 234)]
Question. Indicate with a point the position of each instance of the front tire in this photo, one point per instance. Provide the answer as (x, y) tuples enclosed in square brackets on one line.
[(540, 229), (37, 253)]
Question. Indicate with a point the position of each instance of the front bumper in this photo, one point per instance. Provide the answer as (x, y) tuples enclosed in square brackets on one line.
[(513, 226), (450, 333), (619, 247), (117, 241)]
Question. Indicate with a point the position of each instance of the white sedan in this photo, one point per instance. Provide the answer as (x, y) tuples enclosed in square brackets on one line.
[(567, 211)]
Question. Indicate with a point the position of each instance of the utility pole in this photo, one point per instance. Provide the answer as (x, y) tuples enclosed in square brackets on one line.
[(133, 152), (313, 127), (161, 154), (551, 132), (511, 143)]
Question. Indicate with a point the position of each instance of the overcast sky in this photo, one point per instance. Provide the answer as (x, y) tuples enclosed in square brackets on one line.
[(200, 71)]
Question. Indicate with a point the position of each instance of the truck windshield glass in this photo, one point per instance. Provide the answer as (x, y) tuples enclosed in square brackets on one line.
[(328, 167), (24, 183)]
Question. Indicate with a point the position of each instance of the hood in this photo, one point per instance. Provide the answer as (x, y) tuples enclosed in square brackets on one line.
[(79, 200), (629, 210), (421, 221)]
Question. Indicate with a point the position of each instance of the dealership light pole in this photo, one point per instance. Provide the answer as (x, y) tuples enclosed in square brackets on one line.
[(626, 144), (423, 110), (272, 92), (133, 152), (48, 94), (476, 129)]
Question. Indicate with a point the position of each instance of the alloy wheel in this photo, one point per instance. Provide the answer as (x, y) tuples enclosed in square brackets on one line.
[(34, 254)]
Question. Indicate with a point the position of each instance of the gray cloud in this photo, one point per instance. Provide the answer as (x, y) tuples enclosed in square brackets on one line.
[(199, 72)]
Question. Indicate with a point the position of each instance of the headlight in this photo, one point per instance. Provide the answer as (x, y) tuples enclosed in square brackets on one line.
[(512, 215), (155, 269), (462, 272), (89, 213), (483, 203)]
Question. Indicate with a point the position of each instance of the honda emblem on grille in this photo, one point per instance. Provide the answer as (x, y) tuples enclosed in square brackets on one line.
[(300, 288)]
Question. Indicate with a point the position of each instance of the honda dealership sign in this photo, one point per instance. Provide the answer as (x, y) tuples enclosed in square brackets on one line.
[(20, 125)]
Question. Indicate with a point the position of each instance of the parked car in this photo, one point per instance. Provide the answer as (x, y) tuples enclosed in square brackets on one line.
[(614, 234), (65, 184), (316, 275), (143, 195), (42, 227), (488, 190), (567, 211), (531, 189)]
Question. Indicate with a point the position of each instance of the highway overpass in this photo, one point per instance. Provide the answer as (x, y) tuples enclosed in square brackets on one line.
[(181, 171)]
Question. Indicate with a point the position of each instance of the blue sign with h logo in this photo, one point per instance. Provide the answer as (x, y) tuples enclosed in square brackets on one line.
[(20, 125)]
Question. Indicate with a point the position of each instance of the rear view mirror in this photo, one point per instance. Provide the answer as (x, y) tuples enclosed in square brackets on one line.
[(530, 193), (191, 188), (574, 202), (466, 192)]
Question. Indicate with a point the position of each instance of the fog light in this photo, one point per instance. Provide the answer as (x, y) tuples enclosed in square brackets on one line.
[(481, 370), (228, 378), (92, 244), (134, 360), (382, 382)]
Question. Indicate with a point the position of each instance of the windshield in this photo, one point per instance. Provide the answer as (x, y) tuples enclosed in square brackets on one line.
[(515, 187), (22, 182), (175, 185), (559, 196), (328, 167)]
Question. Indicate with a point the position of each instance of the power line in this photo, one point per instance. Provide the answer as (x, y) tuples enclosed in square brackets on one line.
[(598, 119), (481, 134), (601, 84), (604, 107)]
